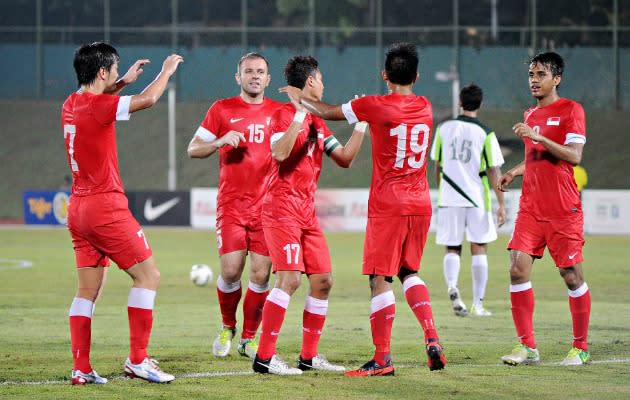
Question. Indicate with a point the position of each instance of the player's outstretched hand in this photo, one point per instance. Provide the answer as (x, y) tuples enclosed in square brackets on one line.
[(171, 63), (504, 181), (134, 71), (295, 96), (231, 138)]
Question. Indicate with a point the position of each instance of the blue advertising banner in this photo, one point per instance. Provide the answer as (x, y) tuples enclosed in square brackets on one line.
[(47, 207)]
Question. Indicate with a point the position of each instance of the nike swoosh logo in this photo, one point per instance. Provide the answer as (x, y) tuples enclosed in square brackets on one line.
[(233, 120), (572, 256), (152, 213)]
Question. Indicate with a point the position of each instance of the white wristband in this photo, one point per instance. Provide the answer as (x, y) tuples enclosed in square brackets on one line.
[(361, 126), (299, 116)]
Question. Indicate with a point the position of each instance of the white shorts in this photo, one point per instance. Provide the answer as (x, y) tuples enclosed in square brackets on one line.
[(452, 221)]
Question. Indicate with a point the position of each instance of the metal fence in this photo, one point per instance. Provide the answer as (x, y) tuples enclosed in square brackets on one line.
[(455, 38)]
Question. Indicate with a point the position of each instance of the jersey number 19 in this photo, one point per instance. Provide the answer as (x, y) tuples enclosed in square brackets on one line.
[(419, 150)]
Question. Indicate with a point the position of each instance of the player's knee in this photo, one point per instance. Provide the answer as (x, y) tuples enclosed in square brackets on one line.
[(154, 277), (288, 284), (230, 275), (259, 276), (321, 285), (149, 279), (404, 273), (571, 277), (88, 292)]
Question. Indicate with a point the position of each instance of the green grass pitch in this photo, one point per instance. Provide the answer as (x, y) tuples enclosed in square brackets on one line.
[(35, 349)]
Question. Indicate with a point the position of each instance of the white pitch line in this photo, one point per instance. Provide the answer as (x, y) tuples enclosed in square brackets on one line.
[(193, 375)]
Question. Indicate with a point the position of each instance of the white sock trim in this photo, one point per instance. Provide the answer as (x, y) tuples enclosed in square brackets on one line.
[(227, 287), (316, 306), (521, 287), (141, 298), (411, 282), (81, 307), (382, 300), (279, 297), (581, 291), (254, 287)]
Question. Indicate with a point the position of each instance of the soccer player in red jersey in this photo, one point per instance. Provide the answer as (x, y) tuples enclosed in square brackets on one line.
[(399, 207), (550, 211), (296, 242), (99, 220), (239, 128)]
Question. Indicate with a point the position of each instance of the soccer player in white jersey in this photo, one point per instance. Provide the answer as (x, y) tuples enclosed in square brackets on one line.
[(468, 161)]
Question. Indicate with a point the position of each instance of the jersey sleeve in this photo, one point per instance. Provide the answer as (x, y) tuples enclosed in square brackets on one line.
[(576, 131), (280, 121), (436, 149), (210, 128), (357, 109), (493, 151), (105, 108)]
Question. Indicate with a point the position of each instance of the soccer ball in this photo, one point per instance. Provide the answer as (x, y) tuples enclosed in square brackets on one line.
[(201, 275)]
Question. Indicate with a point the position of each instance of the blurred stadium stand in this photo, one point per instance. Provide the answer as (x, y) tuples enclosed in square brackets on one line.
[(488, 42)]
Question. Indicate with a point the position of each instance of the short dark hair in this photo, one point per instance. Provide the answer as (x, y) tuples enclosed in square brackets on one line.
[(90, 58), (252, 54), (298, 69), (551, 60), (401, 63), (471, 97)]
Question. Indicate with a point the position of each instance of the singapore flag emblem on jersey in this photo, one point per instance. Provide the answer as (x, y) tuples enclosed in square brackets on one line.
[(554, 121)]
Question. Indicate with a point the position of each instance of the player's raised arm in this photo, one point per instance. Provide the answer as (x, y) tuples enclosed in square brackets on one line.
[(343, 156), (331, 112), (130, 77), (282, 145), (152, 93)]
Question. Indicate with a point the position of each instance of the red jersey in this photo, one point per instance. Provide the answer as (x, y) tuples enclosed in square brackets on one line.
[(88, 120), (292, 184), (400, 126), (549, 189), (243, 170)]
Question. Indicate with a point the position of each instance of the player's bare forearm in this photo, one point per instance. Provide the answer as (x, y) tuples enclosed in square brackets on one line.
[(152, 93), (344, 156), (508, 177), (494, 174), (200, 149), (281, 149), (130, 77), (120, 85), (571, 153), (330, 112)]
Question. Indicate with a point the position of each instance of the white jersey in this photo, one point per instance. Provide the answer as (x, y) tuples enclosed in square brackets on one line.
[(465, 149)]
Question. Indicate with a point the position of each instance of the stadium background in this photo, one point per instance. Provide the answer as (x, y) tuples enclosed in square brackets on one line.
[(487, 42)]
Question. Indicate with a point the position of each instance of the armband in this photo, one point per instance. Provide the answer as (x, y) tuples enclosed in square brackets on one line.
[(361, 126), (299, 116)]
